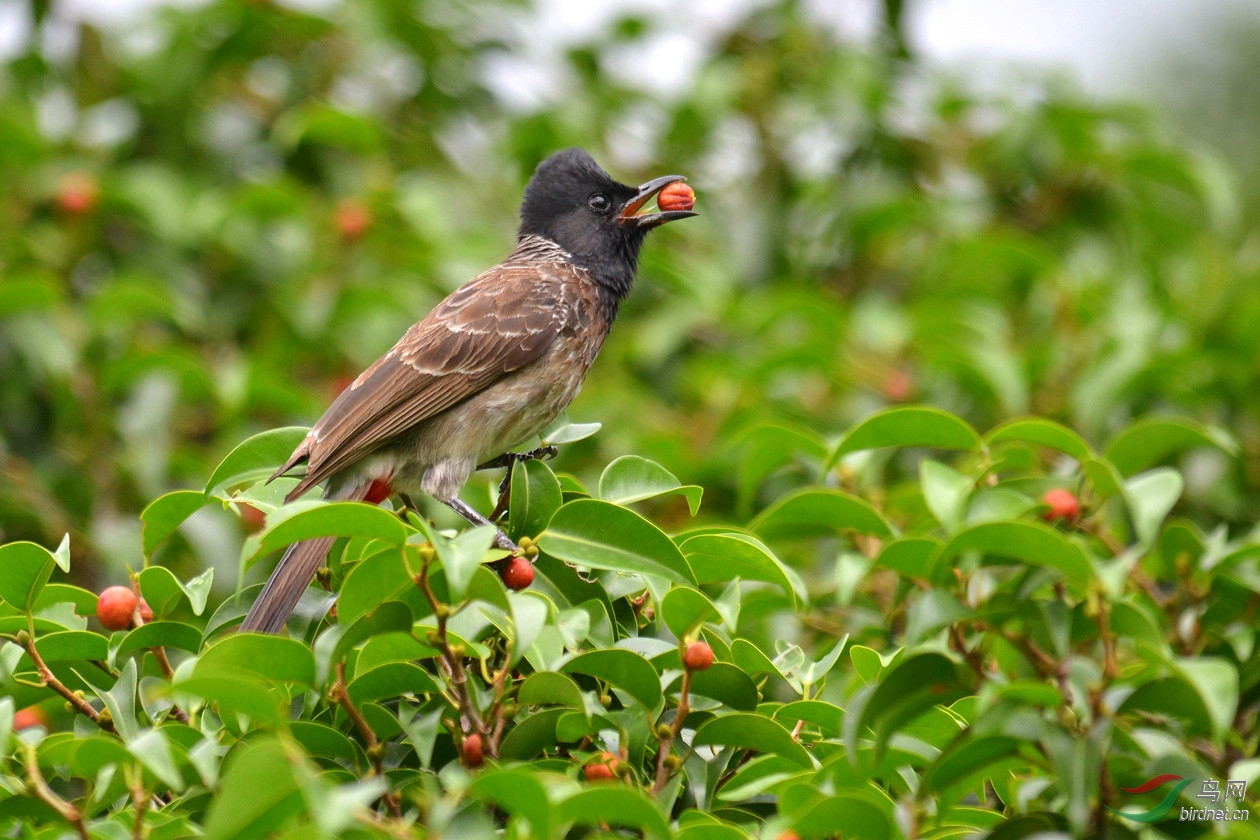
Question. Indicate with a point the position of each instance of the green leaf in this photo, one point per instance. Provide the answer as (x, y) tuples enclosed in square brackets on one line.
[(1174, 697), (306, 520), (621, 806), (905, 691), (165, 514), (1030, 542), (531, 735), (684, 608), (151, 749), (967, 757), (945, 492), (622, 669), (631, 479), (258, 792), (394, 679), (535, 498), (1149, 441), (866, 662), (340, 639), (238, 692), (121, 701), (850, 814), (519, 792), (172, 634), (1216, 681), (24, 570), (462, 555), (274, 658), (911, 556), (908, 426), (600, 535), (931, 611), (718, 558), (72, 644), (813, 512), (547, 688), (562, 431), (723, 682), (1043, 433), (825, 716), (1104, 476), (754, 732), (256, 458), (380, 577), (162, 590), (1151, 495)]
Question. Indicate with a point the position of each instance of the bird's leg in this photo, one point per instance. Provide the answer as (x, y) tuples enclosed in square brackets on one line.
[(510, 459), (501, 540)]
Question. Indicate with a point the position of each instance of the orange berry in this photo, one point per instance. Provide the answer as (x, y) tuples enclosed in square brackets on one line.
[(676, 196), (353, 218), (473, 755), (28, 717), (518, 574), (603, 766), (115, 606), (698, 656), (1063, 505), (77, 194)]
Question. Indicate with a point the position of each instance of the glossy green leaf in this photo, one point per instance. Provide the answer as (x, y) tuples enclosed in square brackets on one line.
[(904, 692), (1151, 495), (849, 813), (166, 513), (254, 459), (24, 570), (547, 688), (718, 558), (817, 511), (684, 608), (273, 658), (518, 792), (599, 535), (1030, 542), (258, 793), (536, 496), (1216, 681), (1043, 433), (631, 479), (752, 732), (910, 556), (725, 683), (621, 806), (305, 520), (945, 491), (622, 669), (394, 679), (1151, 440), (908, 426)]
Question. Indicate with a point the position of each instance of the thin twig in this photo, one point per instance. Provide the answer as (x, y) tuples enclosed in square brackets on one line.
[(49, 680), (667, 743), (340, 694), (39, 786), (453, 663)]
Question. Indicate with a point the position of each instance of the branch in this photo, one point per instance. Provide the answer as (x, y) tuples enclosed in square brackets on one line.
[(39, 786), (49, 680), (451, 658), (667, 742), (341, 696)]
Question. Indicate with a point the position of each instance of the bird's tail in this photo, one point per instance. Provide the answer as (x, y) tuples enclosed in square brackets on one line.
[(293, 574)]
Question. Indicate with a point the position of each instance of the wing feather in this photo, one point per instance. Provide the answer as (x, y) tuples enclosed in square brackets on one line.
[(497, 323)]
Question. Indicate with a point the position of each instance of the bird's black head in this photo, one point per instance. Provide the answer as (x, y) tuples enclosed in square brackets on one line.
[(576, 204)]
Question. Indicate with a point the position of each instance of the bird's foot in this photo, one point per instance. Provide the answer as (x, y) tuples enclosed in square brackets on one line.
[(501, 539), (509, 459)]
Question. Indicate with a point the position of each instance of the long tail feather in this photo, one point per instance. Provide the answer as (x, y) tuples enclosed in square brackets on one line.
[(292, 575)]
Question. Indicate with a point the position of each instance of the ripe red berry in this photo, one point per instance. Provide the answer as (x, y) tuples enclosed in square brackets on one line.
[(518, 574), (378, 491), (603, 766), (1063, 505), (789, 835), (353, 219), (28, 717), (899, 386), (698, 656), (146, 612), (115, 606), (676, 196), (473, 756), (77, 194), (253, 520)]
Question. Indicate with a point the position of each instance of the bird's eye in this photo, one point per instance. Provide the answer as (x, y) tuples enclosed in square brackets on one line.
[(598, 202)]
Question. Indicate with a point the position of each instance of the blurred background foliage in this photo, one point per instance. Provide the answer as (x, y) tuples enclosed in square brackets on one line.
[(211, 219)]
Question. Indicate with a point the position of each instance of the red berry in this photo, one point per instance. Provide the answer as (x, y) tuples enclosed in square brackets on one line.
[(1063, 505), (603, 766), (253, 520), (77, 194), (115, 606), (789, 835), (353, 219), (698, 656), (518, 574), (899, 386), (676, 196), (146, 612), (378, 491), (473, 756), (28, 717)]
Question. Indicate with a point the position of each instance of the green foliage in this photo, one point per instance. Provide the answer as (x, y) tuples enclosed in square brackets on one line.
[(212, 222), (993, 672)]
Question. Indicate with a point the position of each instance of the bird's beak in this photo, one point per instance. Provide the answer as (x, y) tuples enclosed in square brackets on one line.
[(630, 214)]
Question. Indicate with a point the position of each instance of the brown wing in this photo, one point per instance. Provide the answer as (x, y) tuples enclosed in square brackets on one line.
[(498, 322)]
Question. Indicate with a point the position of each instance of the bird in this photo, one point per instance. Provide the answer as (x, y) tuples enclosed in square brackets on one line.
[(488, 368)]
